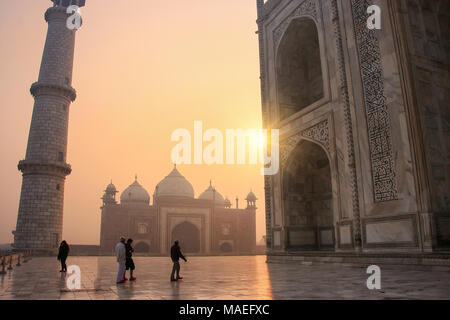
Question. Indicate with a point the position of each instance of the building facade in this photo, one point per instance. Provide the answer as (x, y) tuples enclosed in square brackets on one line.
[(364, 122), (207, 225), (44, 169)]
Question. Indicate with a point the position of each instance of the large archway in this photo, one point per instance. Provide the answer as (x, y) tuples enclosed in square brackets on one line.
[(308, 198), (298, 67), (189, 237)]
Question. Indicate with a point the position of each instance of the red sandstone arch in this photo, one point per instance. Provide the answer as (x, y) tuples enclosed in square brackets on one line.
[(142, 247), (188, 236)]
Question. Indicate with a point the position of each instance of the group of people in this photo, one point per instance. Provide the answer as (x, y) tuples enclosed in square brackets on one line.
[(124, 253)]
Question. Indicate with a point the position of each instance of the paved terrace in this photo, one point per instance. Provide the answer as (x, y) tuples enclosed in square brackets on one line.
[(220, 278)]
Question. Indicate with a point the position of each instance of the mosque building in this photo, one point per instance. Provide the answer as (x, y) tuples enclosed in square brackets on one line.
[(207, 225)]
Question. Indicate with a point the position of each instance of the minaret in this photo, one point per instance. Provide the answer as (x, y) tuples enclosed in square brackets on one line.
[(251, 200), (40, 217), (109, 197)]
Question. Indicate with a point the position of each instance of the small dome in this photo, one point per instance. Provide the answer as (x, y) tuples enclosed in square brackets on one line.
[(212, 194), (111, 188), (227, 202), (251, 197), (174, 185), (135, 193)]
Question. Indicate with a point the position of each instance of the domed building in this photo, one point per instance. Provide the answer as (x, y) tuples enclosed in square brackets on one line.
[(207, 225)]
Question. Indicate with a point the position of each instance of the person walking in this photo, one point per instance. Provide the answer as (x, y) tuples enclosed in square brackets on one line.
[(175, 254), (129, 264), (121, 260), (62, 255)]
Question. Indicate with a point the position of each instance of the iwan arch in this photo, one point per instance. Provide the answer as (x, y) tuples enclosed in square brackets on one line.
[(364, 144)]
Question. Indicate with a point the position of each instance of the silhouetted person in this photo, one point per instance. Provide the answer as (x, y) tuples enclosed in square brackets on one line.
[(175, 254), (129, 264), (62, 255), (121, 260)]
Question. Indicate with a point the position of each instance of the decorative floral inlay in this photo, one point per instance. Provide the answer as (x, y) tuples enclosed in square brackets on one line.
[(307, 7), (319, 133)]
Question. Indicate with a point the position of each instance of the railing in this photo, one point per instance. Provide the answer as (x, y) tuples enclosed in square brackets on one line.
[(9, 261)]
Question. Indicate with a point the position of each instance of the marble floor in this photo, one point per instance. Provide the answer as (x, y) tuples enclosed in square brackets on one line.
[(228, 278)]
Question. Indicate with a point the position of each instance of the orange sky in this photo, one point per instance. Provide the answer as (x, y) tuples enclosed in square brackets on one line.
[(142, 69)]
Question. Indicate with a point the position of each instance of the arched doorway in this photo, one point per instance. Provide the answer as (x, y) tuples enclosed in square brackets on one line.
[(226, 247), (308, 198), (298, 67), (142, 247), (189, 237)]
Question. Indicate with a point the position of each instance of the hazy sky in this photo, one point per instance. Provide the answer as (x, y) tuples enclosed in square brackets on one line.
[(142, 69)]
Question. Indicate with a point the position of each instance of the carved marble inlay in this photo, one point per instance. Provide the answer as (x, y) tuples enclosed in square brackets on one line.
[(345, 101), (319, 133), (378, 120), (307, 7), (287, 147)]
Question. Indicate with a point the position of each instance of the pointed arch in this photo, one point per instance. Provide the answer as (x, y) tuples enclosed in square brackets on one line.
[(308, 198), (300, 79), (188, 236)]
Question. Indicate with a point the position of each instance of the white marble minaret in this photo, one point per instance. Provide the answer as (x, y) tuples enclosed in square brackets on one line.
[(40, 218)]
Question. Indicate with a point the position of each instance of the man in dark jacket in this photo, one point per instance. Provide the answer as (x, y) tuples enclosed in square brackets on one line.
[(175, 254), (62, 255), (129, 263)]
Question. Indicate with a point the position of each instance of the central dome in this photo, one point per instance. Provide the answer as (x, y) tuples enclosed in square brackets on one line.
[(135, 193), (174, 185)]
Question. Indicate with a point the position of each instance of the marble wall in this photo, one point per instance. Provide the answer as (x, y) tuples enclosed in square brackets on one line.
[(427, 33), (378, 101)]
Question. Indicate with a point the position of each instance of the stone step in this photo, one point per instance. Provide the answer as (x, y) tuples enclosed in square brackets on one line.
[(438, 260)]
